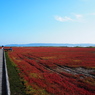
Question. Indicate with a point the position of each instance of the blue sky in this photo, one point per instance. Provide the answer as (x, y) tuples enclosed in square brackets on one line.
[(47, 21)]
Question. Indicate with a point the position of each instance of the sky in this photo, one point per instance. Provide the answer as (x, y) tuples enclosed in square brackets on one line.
[(47, 21)]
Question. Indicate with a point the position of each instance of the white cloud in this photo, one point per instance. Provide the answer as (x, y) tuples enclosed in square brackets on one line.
[(63, 19), (78, 16)]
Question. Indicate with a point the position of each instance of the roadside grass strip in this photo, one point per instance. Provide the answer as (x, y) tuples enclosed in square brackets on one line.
[(16, 85)]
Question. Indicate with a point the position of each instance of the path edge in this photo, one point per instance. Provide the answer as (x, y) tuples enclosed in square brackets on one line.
[(6, 74)]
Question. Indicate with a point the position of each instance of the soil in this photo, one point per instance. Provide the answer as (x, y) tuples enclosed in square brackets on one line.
[(75, 71)]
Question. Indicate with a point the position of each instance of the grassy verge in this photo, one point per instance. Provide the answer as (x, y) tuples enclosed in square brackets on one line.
[(16, 86)]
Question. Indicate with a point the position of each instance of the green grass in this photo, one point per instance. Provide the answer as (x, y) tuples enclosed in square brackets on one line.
[(16, 86)]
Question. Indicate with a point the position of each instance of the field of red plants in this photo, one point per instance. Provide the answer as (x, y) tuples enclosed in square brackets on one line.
[(56, 70)]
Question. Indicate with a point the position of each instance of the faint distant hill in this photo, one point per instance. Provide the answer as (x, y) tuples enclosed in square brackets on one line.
[(50, 44)]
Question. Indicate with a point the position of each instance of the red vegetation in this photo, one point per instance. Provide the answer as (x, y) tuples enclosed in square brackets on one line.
[(39, 70)]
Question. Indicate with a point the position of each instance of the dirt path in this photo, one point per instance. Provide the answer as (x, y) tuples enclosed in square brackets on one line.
[(75, 71)]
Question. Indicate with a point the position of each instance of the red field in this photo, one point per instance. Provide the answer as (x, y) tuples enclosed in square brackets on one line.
[(56, 70)]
